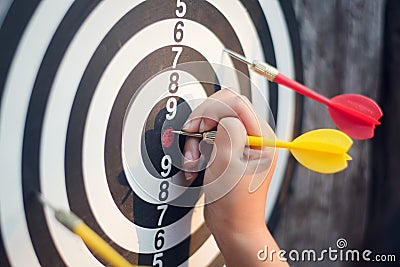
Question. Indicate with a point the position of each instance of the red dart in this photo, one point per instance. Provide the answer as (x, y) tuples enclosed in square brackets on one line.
[(354, 114)]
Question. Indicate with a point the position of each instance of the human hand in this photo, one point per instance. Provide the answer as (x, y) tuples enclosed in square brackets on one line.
[(237, 178)]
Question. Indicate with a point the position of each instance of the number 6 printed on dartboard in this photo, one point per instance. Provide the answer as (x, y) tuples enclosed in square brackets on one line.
[(171, 107)]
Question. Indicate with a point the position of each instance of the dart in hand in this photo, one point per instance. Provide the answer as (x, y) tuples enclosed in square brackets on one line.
[(322, 150), (354, 114)]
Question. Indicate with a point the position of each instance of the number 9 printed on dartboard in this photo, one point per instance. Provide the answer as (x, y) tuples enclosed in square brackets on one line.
[(87, 111), (171, 107)]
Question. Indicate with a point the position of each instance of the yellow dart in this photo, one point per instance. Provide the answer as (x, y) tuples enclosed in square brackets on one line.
[(89, 237), (322, 150)]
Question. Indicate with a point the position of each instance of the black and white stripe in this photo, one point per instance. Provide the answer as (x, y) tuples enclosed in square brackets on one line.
[(68, 72)]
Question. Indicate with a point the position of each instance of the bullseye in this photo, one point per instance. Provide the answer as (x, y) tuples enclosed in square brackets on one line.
[(167, 138), (157, 137)]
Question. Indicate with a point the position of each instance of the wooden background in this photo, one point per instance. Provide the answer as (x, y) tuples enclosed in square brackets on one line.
[(342, 52)]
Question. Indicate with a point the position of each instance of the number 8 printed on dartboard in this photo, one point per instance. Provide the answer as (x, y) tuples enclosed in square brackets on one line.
[(171, 108), (90, 127)]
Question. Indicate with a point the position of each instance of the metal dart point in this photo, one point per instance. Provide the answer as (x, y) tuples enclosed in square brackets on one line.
[(238, 56), (261, 68), (42, 200), (198, 135), (208, 137)]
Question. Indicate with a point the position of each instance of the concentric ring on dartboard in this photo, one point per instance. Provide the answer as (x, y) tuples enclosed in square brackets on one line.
[(97, 204), (75, 180), (46, 72)]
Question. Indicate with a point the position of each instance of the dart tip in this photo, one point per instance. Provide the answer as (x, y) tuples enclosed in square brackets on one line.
[(198, 135), (227, 50), (237, 56), (42, 200)]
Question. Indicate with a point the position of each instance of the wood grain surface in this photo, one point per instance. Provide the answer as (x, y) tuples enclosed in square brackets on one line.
[(341, 49)]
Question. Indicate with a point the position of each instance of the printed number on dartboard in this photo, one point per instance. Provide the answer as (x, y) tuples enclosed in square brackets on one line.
[(171, 107)]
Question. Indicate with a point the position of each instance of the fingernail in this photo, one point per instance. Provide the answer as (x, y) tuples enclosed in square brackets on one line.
[(188, 175), (188, 157), (186, 125), (201, 127)]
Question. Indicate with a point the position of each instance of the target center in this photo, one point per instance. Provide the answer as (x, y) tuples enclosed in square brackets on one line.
[(167, 138), (159, 145)]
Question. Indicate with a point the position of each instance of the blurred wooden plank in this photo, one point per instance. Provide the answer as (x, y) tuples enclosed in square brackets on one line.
[(341, 49), (386, 169)]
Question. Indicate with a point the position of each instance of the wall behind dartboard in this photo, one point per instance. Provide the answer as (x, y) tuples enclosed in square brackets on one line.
[(342, 52)]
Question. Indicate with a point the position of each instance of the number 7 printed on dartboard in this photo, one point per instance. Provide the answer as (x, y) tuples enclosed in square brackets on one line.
[(171, 107), (86, 93)]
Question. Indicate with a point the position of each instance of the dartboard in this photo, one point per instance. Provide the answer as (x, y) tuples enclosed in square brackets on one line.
[(89, 92)]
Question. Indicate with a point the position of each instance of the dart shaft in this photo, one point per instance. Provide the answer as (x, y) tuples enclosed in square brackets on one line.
[(91, 239), (260, 141), (302, 89), (209, 137), (323, 150), (272, 74), (257, 141), (286, 81), (99, 246), (354, 114)]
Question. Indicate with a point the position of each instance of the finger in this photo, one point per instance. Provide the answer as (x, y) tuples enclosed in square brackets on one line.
[(259, 178), (230, 142), (207, 115), (261, 161), (192, 154), (231, 133), (224, 103), (266, 130), (257, 153), (192, 124)]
